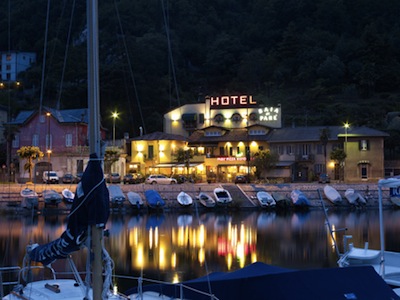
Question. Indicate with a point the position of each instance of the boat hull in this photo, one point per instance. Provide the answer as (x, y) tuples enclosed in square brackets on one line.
[(265, 199), (222, 196), (184, 199), (332, 194)]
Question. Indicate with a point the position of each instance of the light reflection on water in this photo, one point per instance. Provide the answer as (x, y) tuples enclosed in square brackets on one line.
[(176, 247)]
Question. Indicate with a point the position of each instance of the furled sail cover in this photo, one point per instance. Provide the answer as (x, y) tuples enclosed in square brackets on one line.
[(90, 207)]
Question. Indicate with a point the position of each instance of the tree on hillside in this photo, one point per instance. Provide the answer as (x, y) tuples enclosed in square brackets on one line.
[(29, 153)]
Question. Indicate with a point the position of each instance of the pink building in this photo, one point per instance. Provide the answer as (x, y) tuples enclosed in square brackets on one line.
[(60, 134)]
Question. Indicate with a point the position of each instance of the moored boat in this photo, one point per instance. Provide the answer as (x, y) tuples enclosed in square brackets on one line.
[(299, 199), (222, 196), (184, 199), (282, 201), (51, 197), (154, 199), (332, 194), (117, 197), (386, 263), (206, 200), (68, 195), (30, 198), (354, 197), (265, 199), (135, 199)]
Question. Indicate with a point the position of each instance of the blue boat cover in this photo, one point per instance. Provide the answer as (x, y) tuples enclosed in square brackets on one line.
[(154, 199), (90, 207), (262, 281)]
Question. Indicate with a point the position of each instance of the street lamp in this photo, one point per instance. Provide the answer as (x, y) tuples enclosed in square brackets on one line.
[(114, 116), (346, 127), (48, 146)]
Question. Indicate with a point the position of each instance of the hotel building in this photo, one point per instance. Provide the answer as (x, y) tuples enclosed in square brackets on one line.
[(225, 132)]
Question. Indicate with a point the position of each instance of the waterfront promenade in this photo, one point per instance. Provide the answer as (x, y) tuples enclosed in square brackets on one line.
[(244, 195)]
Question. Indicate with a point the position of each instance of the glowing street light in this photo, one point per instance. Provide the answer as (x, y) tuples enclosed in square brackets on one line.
[(346, 127), (114, 116)]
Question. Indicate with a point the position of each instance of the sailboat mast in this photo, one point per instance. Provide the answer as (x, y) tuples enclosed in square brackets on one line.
[(93, 77), (94, 129)]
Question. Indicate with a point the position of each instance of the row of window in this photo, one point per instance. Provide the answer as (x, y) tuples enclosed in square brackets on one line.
[(49, 141), (305, 149)]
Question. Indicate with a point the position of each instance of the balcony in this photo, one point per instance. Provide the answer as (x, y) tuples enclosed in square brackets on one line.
[(305, 157)]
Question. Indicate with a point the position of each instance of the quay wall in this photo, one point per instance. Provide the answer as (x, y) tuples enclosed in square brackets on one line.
[(10, 198)]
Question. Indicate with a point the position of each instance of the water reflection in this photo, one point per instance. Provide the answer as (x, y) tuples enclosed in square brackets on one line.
[(177, 247)]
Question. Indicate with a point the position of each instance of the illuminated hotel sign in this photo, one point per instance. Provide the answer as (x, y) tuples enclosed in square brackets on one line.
[(232, 101)]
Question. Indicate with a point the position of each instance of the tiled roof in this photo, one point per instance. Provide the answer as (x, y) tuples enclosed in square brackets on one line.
[(158, 136), (79, 115), (290, 134), (313, 133), (234, 135)]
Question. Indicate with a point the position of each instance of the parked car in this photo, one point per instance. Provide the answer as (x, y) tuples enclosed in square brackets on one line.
[(160, 179), (182, 178), (324, 178), (133, 178), (68, 178), (242, 179), (129, 179), (113, 178), (50, 177)]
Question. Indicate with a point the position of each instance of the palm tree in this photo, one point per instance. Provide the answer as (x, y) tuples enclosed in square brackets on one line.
[(29, 153)]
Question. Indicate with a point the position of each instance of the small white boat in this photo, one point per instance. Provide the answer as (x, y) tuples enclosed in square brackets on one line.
[(51, 197), (30, 198), (68, 195), (265, 199), (206, 200), (184, 199), (332, 194), (386, 263), (117, 197), (135, 199), (354, 197), (222, 196)]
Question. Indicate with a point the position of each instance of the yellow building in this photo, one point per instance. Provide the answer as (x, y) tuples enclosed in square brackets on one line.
[(155, 153)]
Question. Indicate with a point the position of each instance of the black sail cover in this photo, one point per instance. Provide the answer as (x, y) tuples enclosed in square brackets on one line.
[(91, 206)]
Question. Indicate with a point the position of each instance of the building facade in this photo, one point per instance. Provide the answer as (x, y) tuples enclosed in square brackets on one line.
[(14, 62), (60, 134), (155, 153), (226, 131)]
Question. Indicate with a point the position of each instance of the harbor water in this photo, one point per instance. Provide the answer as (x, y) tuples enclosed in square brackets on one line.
[(181, 246)]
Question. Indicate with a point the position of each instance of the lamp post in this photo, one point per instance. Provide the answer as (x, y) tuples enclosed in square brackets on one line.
[(346, 127), (114, 116), (48, 146)]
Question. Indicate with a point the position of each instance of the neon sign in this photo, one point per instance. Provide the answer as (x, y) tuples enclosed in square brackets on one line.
[(231, 158), (232, 101)]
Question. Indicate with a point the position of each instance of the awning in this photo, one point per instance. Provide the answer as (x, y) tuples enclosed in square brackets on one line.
[(189, 117), (165, 165), (363, 162), (284, 164), (176, 165)]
